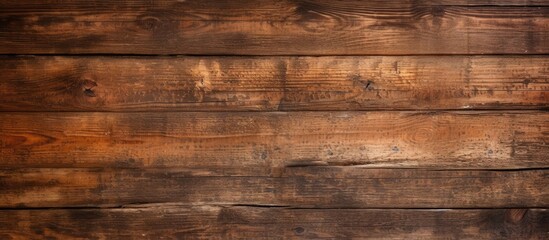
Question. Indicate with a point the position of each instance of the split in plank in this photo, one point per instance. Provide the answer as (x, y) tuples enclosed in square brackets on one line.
[(274, 27), (222, 222), (273, 83), (240, 143)]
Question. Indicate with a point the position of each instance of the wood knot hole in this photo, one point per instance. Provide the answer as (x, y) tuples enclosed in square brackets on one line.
[(149, 22), (299, 230), (88, 86)]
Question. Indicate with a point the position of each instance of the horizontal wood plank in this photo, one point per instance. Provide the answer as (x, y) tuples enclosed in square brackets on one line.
[(271, 27), (309, 187), (259, 143), (273, 83), (237, 10), (223, 222)]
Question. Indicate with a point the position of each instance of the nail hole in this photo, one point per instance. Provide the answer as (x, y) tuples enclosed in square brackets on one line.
[(369, 85), (89, 92), (88, 85)]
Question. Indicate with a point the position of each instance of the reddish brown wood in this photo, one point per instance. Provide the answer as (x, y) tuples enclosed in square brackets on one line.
[(247, 142), (271, 27), (273, 83), (115, 140)]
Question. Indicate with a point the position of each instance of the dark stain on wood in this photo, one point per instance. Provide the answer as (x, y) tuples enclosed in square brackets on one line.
[(202, 222), (310, 187)]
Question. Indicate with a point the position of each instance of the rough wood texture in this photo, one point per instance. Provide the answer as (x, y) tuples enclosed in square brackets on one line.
[(228, 222), (273, 83), (268, 27), (244, 142), (311, 187), (274, 119)]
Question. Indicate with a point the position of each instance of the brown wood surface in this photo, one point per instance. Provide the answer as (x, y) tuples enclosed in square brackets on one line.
[(274, 119), (273, 83), (309, 187), (243, 142), (229, 222), (271, 27)]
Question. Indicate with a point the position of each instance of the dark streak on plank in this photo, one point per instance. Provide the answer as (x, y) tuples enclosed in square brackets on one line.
[(272, 83), (272, 27)]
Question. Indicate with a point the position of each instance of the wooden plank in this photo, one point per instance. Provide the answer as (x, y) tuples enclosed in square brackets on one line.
[(223, 222), (309, 187), (237, 10), (258, 143), (269, 27), (273, 83)]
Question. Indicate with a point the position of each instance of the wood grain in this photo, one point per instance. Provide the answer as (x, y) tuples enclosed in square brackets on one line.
[(246, 142), (301, 187), (238, 10), (269, 27), (224, 222), (273, 83), (274, 119)]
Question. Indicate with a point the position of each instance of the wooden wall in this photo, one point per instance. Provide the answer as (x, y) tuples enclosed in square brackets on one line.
[(274, 119)]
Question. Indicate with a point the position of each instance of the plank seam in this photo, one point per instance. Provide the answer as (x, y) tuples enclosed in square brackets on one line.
[(153, 205), (6, 55)]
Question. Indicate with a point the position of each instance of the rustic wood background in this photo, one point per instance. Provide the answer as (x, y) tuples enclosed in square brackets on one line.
[(274, 119)]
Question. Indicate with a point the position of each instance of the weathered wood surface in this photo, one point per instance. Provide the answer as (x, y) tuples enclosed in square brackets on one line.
[(262, 135), (310, 187), (243, 142), (224, 222), (272, 27), (273, 83)]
